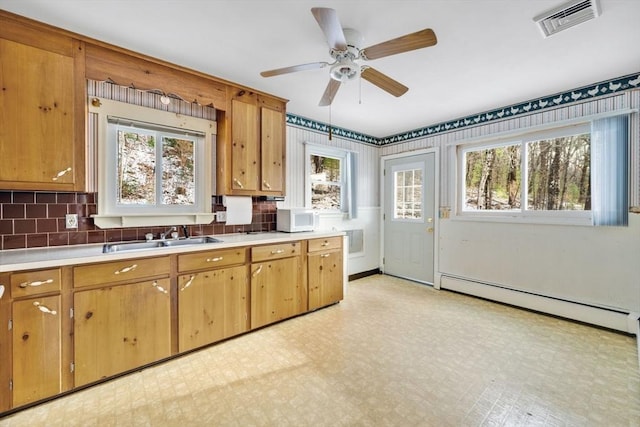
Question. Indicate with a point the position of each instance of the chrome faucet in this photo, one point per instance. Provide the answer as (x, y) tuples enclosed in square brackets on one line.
[(164, 235)]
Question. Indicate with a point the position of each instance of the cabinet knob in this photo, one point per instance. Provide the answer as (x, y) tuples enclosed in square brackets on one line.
[(159, 288), (266, 184), (238, 183), (189, 282), (278, 251), (126, 269), (60, 174), (35, 283), (215, 259), (44, 308), (257, 271)]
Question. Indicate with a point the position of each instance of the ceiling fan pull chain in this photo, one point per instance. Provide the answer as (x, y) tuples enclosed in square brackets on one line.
[(329, 122)]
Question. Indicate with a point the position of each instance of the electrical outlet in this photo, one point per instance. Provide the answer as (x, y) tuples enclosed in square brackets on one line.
[(221, 216), (71, 220)]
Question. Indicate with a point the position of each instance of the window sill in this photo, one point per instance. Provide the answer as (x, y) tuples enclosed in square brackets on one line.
[(118, 221), (511, 218)]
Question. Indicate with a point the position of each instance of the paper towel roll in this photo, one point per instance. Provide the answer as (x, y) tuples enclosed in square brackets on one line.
[(239, 209)]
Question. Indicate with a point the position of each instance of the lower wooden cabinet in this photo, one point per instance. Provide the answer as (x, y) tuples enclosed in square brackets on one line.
[(118, 328), (37, 349), (70, 326), (276, 291), (325, 271), (212, 305), (325, 278)]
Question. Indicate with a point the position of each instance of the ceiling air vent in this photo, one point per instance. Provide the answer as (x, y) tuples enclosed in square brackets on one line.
[(569, 14)]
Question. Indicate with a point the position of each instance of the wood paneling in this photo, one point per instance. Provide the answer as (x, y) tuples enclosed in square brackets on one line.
[(119, 271), (37, 350), (272, 150), (35, 282), (277, 291), (212, 305), (325, 278), (211, 259), (127, 70), (268, 252), (43, 137), (120, 328)]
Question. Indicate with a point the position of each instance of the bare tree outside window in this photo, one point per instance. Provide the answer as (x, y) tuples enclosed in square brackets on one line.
[(141, 162), (557, 176)]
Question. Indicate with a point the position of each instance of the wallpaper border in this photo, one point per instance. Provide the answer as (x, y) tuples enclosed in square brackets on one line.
[(595, 90)]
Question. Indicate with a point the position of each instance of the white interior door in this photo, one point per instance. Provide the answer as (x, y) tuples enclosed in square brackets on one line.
[(409, 216)]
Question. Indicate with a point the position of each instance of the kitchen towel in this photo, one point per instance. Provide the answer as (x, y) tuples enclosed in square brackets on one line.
[(239, 209)]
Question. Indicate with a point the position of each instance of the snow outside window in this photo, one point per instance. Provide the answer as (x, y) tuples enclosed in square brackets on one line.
[(330, 179)]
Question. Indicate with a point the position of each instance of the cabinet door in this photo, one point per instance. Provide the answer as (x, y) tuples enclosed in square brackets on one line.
[(120, 328), (325, 278), (273, 150), (276, 291), (36, 349), (212, 305), (37, 142), (244, 146)]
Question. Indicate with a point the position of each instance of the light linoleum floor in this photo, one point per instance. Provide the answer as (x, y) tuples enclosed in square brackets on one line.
[(393, 353)]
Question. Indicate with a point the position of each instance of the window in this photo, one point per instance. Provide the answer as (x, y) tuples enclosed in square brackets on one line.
[(330, 179), (546, 175), (154, 166), (155, 174), (541, 175), (408, 201), (326, 182)]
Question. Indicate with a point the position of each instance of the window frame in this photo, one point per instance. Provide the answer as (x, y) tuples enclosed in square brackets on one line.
[(334, 153), (521, 215), (110, 214), (405, 167)]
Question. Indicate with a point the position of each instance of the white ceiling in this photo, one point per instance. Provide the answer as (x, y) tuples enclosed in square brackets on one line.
[(489, 54)]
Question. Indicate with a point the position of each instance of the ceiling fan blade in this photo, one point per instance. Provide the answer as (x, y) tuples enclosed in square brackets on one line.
[(292, 69), (417, 40), (383, 81), (330, 24), (329, 93)]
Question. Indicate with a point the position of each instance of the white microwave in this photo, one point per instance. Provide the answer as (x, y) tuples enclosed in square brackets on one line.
[(296, 219)]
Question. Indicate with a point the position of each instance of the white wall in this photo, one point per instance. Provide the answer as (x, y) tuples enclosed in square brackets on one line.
[(368, 195), (594, 265)]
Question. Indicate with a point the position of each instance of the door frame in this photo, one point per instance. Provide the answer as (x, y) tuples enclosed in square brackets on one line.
[(436, 205)]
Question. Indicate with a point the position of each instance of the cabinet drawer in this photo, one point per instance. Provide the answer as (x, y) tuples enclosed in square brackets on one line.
[(117, 271), (211, 259), (283, 250), (324, 244), (35, 282)]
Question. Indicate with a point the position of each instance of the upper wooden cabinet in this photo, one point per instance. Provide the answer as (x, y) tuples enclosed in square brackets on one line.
[(43, 73), (251, 153), (42, 102)]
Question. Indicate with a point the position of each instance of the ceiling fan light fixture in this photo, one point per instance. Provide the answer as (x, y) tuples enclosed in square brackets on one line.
[(345, 69)]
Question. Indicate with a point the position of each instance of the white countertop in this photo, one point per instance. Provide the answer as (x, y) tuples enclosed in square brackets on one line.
[(24, 259)]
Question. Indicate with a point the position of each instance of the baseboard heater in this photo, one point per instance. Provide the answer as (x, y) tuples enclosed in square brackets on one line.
[(600, 316)]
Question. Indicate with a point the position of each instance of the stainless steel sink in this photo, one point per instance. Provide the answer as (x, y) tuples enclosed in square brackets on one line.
[(191, 241), (155, 244)]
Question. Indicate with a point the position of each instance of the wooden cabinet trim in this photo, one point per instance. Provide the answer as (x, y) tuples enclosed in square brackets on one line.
[(211, 259), (30, 283), (120, 271), (324, 244), (277, 251)]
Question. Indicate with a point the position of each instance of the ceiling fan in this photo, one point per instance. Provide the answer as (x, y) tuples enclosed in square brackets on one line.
[(346, 51)]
